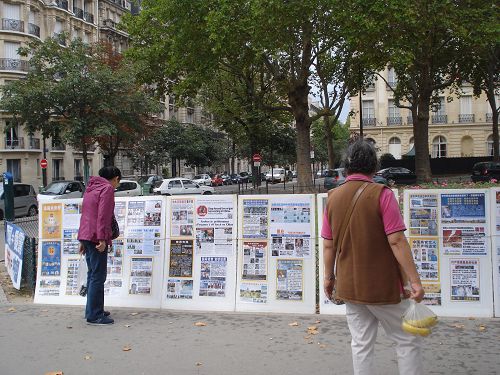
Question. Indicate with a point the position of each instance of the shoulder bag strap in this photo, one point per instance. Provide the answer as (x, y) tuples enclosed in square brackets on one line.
[(347, 219)]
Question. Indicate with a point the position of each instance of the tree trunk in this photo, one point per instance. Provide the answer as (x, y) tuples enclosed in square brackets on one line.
[(329, 142), (494, 112), (85, 164), (303, 125), (421, 139)]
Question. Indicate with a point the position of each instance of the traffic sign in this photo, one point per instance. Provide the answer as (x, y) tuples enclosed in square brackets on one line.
[(44, 163), (256, 163), (257, 158)]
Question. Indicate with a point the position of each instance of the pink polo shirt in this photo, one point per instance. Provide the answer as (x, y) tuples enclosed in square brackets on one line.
[(389, 210)]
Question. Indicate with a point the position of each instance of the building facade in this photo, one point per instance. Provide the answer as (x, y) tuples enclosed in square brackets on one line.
[(460, 127)]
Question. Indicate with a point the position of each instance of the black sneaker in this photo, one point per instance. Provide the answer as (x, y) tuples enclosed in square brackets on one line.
[(102, 321), (105, 313)]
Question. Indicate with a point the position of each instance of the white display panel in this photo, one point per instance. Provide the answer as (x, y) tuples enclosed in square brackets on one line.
[(200, 258), (135, 265), (449, 235), (276, 257), (495, 241)]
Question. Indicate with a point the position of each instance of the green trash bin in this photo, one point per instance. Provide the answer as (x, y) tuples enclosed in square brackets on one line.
[(146, 189)]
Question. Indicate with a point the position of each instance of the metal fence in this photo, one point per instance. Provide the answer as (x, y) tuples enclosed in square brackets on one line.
[(30, 227)]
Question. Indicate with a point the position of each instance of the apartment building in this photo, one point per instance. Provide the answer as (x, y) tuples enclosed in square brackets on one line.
[(460, 127)]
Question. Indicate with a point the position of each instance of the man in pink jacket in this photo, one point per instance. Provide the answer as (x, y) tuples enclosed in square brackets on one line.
[(95, 235)]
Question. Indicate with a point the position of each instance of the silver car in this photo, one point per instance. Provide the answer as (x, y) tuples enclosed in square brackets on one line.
[(25, 203)]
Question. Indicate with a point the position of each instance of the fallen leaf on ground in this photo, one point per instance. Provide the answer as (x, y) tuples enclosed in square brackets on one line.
[(322, 346), (310, 342), (127, 325), (307, 337), (472, 318), (69, 327), (134, 313), (200, 324), (11, 293), (294, 324), (12, 309), (170, 322), (312, 328), (458, 326), (482, 327), (270, 338), (313, 332), (198, 363), (87, 357), (318, 321), (126, 348), (44, 310), (54, 373)]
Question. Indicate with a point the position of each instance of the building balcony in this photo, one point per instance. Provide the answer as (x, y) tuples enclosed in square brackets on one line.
[(89, 17), (78, 12), (409, 120), (439, 119), (60, 38), (58, 146), (489, 117), (12, 25), (62, 4), (90, 149), (371, 87), (14, 64), (14, 143), (34, 144), (34, 29), (109, 23), (393, 121), (369, 121), (466, 118)]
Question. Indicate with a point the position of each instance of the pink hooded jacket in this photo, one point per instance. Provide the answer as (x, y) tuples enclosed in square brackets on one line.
[(97, 211)]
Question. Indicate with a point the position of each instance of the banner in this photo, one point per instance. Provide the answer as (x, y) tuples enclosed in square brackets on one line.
[(14, 250)]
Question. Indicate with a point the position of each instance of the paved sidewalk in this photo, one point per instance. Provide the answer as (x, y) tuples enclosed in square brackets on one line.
[(37, 338)]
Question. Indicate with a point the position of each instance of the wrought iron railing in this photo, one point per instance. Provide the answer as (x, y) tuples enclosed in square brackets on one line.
[(369, 121), (63, 4), (439, 119), (394, 120), (89, 17), (12, 24), (465, 118), (14, 64), (34, 29), (78, 12), (58, 146), (489, 117), (61, 39), (14, 143), (34, 143)]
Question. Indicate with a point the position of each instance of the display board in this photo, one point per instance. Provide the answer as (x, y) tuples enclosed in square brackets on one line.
[(14, 249), (449, 236), (135, 262), (276, 258), (495, 236), (200, 260)]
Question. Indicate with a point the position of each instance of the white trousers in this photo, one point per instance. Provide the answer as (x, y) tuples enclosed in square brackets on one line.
[(363, 323)]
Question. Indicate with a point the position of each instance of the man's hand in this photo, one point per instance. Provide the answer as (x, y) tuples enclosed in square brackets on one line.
[(417, 291), (81, 249), (328, 285), (101, 246)]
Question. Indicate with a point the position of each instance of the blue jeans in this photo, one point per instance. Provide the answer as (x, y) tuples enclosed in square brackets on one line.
[(97, 263)]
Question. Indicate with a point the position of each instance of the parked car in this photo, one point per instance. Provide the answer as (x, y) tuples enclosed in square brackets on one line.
[(277, 175), (25, 203), (400, 176), (203, 179), (294, 174), (226, 179), (217, 180), (177, 186), (128, 188), (236, 178), (62, 190), (244, 176), (334, 178), (485, 171), (381, 180)]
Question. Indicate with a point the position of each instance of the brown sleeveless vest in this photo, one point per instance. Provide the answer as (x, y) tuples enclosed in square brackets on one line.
[(367, 271)]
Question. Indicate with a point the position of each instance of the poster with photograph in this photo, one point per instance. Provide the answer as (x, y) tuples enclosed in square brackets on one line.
[(143, 240), (72, 288), (255, 218), (425, 253), (182, 220), (115, 264), (51, 258), (213, 276), (290, 247), (14, 250), (71, 214), (463, 208), (464, 240), (113, 287), (179, 289), (464, 280), (423, 215), (181, 258), (71, 245), (51, 220), (152, 214), (49, 287), (135, 213), (432, 294), (214, 241), (253, 292), (120, 215), (289, 279), (141, 275), (254, 260)]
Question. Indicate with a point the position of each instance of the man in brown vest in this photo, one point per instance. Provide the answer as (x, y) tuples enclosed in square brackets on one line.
[(367, 257)]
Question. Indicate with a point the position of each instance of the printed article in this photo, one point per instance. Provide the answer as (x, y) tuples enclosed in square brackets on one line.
[(72, 276), (181, 258), (179, 289), (71, 245), (255, 218), (289, 279), (426, 256), (254, 260), (71, 215), (253, 292), (51, 258), (49, 287), (213, 276), (141, 275), (423, 215), (182, 223), (464, 280), (51, 221)]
